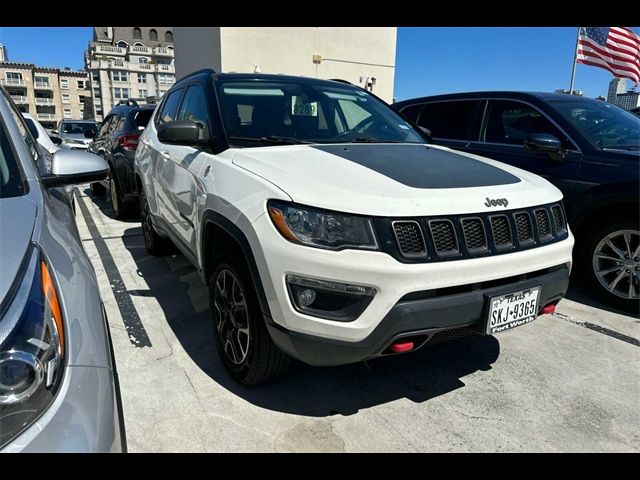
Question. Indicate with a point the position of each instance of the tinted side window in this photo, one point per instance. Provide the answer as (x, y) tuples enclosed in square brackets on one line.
[(194, 106), (118, 124), (412, 112), (141, 119), (169, 107), (511, 122), (455, 120), (28, 139)]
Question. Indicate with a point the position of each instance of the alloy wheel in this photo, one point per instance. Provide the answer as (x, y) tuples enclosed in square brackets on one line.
[(145, 219), (616, 263), (231, 316), (114, 194)]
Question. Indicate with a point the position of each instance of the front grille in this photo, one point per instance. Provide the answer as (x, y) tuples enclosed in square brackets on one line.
[(501, 231), (474, 235), (444, 237), (523, 227), (457, 237), (409, 237), (558, 218), (542, 221)]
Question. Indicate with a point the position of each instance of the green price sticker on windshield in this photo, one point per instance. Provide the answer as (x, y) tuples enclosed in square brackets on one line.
[(299, 107)]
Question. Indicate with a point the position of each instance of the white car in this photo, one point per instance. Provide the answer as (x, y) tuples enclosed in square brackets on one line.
[(38, 131), (331, 230)]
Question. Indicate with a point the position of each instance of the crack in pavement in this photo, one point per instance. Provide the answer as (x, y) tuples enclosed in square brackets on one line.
[(598, 328)]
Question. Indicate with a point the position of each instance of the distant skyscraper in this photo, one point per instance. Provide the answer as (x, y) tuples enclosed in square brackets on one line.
[(4, 56), (628, 100), (616, 86)]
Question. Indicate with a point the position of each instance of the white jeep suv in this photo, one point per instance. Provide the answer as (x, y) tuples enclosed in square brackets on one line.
[(331, 230)]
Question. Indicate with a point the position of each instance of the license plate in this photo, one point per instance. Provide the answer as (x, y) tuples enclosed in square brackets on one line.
[(512, 310)]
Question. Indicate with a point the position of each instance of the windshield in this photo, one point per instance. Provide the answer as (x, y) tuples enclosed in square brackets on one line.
[(78, 128), (256, 112), (605, 125), (11, 181)]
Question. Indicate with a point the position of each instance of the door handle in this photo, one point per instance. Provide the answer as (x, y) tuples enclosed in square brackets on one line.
[(165, 154)]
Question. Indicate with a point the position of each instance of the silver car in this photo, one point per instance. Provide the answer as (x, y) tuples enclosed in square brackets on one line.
[(74, 134), (58, 382)]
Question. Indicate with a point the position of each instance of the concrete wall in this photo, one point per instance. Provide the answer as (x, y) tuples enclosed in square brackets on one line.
[(346, 52)]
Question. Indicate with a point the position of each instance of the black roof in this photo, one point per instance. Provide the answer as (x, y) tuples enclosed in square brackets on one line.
[(262, 76), (545, 96)]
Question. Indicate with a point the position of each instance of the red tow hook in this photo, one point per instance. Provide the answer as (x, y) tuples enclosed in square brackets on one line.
[(548, 309), (401, 347)]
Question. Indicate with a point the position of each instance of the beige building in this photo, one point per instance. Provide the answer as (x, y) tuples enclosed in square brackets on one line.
[(48, 94), (129, 62), (364, 56)]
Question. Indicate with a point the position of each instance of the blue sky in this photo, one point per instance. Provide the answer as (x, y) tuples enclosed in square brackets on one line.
[(429, 60)]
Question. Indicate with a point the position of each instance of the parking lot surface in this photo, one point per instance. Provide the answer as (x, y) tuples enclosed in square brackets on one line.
[(568, 382)]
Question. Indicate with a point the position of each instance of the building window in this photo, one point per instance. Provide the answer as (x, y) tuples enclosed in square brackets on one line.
[(142, 78), (122, 44), (137, 33), (121, 93), (14, 76), (41, 81), (95, 76), (98, 111), (142, 93), (67, 113), (165, 79), (143, 60), (96, 92), (64, 83), (168, 36), (65, 98), (153, 35), (119, 76), (81, 84), (81, 99)]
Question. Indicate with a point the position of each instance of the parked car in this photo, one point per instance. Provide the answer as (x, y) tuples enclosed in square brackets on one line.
[(40, 134), (116, 142), (329, 230), (75, 134), (58, 382), (588, 148)]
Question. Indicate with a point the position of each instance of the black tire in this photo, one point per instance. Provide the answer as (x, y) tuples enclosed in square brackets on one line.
[(154, 243), (263, 360), (120, 209), (628, 269), (97, 189)]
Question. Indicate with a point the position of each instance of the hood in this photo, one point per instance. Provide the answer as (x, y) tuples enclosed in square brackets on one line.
[(17, 218), (75, 136), (395, 179)]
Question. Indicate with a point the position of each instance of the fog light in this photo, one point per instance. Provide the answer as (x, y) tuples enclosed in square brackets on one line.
[(306, 297), (326, 299)]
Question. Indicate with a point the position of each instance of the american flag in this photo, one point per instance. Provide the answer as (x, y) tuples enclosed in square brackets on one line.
[(616, 49)]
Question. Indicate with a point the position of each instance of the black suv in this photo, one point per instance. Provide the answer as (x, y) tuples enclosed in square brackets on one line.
[(588, 148), (116, 142)]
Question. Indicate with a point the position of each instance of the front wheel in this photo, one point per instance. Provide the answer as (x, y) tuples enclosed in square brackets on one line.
[(612, 254), (120, 208), (154, 243), (244, 344)]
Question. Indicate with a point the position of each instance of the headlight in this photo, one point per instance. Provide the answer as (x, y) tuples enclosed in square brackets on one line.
[(32, 350), (321, 228)]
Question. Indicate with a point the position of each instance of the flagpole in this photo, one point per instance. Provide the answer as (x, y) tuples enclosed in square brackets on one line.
[(575, 60)]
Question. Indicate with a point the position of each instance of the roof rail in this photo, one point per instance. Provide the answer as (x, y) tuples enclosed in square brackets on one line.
[(341, 81), (210, 71)]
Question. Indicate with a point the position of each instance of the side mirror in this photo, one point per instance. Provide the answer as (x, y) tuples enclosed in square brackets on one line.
[(426, 131), (184, 132), (71, 167), (55, 140), (88, 133), (547, 143)]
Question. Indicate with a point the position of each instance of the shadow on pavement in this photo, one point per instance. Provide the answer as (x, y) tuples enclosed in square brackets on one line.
[(103, 203), (580, 293), (305, 390)]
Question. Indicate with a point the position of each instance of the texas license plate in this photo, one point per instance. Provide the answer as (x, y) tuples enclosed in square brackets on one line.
[(512, 310)]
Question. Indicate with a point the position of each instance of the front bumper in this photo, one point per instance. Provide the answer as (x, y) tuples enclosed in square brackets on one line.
[(276, 257), (418, 320)]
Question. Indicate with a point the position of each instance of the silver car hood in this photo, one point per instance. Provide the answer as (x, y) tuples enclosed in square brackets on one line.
[(17, 218)]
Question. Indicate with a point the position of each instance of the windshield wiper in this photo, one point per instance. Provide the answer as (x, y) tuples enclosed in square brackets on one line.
[(371, 140), (272, 139)]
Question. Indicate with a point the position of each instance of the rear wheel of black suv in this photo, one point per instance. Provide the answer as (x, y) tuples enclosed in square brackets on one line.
[(610, 257), (120, 209), (244, 344), (154, 243)]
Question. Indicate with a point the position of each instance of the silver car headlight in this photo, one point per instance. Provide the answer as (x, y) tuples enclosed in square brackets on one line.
[(322, 228), (32, 349)]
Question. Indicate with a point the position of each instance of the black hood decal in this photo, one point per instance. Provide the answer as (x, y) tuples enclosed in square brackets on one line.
[(419, 166)]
